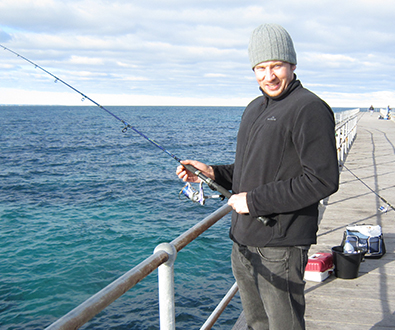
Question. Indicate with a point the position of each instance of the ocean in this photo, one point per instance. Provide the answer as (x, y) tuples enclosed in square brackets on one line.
[(82, 202)]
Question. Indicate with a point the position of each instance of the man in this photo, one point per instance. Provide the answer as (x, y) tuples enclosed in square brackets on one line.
[(285, 164)]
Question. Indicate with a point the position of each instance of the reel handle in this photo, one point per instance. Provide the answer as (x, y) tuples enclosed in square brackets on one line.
[(215, 186)]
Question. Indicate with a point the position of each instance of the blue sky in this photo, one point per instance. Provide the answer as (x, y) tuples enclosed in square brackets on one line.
[(181, 52)]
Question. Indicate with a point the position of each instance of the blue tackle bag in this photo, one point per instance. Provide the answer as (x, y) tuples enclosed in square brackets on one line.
[(366, 238)]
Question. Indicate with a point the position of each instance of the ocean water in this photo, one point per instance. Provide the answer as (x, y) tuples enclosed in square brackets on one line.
[(81, 203)]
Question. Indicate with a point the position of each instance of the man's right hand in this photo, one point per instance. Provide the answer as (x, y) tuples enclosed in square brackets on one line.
[(188, 176)]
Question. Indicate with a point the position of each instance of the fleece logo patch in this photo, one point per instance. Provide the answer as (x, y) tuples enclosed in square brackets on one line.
[(272, 118)]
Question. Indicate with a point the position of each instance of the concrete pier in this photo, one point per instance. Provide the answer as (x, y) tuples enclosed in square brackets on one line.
[(367, 302)]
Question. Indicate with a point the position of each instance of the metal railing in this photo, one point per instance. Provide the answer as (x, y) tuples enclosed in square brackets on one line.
[(345, 132), (163, 258), (345, 115), (165, 255)]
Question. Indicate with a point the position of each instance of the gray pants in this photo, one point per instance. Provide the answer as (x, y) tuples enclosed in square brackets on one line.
[(271, 285)]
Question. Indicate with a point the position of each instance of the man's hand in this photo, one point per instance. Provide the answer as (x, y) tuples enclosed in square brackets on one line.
[(239, 203), (187, 176)]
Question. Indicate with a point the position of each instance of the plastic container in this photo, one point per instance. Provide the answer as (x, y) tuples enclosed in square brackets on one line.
[(346, 264), (348, 248), (319, 267)]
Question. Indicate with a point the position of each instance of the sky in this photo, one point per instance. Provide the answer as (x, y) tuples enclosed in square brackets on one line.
[(182, 52)]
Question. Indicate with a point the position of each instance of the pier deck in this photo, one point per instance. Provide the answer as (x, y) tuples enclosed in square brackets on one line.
[(367, 302)]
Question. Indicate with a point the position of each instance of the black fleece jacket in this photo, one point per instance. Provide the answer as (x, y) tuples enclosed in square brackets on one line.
[(286, 162)]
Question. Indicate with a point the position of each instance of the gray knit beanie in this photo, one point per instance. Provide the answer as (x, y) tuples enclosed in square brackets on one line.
[(271, 42)]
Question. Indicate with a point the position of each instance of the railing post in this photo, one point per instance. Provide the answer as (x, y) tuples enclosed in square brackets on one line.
[(167, 315)]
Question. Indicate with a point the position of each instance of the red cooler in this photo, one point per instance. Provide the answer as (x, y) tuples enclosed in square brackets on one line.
[(319, 267)]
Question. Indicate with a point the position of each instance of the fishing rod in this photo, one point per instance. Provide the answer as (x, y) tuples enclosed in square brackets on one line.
[(188, 191), (381, 208)]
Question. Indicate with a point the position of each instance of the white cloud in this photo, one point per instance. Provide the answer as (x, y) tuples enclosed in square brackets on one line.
[(192, 50), (86, 60), (13, 96), (378, 99), (214, 75)]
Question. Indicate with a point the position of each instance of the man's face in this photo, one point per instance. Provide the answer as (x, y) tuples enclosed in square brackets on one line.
[(274, 76)]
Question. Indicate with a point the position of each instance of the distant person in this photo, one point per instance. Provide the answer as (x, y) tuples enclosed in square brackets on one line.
[(285, 164), (385, 114), (371, 109)]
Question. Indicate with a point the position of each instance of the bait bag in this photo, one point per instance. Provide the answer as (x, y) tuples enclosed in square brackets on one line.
[(366, 238)]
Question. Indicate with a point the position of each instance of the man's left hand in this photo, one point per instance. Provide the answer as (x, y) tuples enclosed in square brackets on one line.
[(239, 203)]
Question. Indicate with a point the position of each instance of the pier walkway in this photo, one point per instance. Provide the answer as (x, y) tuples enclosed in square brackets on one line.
[(367, 302)]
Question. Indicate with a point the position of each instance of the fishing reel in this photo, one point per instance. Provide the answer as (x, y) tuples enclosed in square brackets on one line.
[(197, 196)]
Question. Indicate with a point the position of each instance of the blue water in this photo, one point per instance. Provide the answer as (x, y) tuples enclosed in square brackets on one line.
[(81, 203)]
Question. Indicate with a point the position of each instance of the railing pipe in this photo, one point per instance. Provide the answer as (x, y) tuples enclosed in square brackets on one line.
[(167, 314), (95, 304), (184, 239), (220, 308), (345, 133)]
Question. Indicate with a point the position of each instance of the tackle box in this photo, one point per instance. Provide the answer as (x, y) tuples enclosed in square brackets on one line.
[(319, 267)]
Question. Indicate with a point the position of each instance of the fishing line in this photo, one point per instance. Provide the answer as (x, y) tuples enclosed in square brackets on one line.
[(188, 191), (381, 208), (127, 125)]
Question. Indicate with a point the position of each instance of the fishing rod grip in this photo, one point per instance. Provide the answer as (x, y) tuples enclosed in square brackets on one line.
[(215, 186), (210, 182)]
